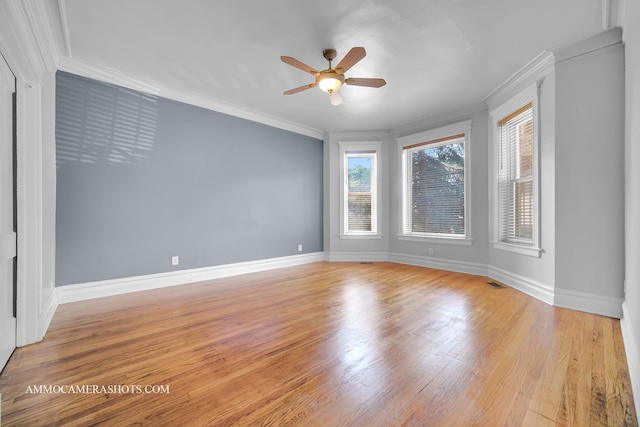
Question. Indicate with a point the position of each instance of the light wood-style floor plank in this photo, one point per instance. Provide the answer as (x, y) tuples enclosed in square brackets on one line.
[(325, 344)]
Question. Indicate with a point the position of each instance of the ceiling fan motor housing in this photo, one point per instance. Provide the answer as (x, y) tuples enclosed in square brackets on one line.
[(329, 54)]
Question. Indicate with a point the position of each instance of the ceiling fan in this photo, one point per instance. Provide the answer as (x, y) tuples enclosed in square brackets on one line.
[(331, 79)]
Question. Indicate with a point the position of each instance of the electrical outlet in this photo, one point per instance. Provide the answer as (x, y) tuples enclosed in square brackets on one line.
[(175, 260), (430, 251), (299, 248)]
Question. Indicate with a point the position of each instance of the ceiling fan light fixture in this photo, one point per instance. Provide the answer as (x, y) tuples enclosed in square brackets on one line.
[(330, 82), (335, 98), (332, 79)]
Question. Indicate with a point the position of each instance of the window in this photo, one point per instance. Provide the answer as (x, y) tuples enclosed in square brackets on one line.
[(515, 189), (515, 176), (359, 190), (434, 189)]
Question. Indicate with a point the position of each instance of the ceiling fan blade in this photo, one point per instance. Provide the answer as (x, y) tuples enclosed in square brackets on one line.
[(299, 65), (359, 81), (351, 59), (299, 89)]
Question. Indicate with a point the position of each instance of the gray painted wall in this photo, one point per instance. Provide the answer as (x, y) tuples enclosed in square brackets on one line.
[(590, 173), (142, 178)]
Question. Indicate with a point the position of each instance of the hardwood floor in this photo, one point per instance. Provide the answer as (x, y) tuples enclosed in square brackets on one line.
[(324, 344)]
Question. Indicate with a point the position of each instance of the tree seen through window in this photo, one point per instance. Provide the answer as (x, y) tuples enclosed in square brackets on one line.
[(437, 189)]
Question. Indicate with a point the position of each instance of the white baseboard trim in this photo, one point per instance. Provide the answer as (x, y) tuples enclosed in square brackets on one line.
[(590, 303), (440, 264), (607, 306), (358, 257), (523, 284), (632, 349), (48, 310), (84, 291)]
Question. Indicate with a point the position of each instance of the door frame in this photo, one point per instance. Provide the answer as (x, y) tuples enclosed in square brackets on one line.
[(26, 44), (8, 119)]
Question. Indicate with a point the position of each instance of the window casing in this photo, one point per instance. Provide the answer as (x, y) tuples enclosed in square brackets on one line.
[(359, 210), (516, 165), (435, 187), (515, 177)]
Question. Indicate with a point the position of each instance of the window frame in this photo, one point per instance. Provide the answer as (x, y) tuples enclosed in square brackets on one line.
[(435, 137), (366, 149), (529, 95)]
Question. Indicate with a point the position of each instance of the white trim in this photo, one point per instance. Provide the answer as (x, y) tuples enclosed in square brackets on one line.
[(529, 94), (466, 267), (29, 152), (360, 236), (620, 22), (430, 135), (356, 136), (48, 310), (435, 133), (44, 34), (587, 302), (632, 349), (376, 147), (29, 41), (438, 120), (104, 288), (530, 287), (113, 76), (606, 14), (534, 71), (358, 257), (66, 34), (596, 304), (598, 41), (519, 249), (433, 239)]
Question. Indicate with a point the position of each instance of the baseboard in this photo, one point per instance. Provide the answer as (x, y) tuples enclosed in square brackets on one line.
[(358, 257), (440, 264), (607, 306), (104, 288), (41, 322), (632, 349), (590, 303), (523, 284), (48, 310)]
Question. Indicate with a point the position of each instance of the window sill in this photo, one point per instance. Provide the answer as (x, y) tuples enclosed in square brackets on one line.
[(363, 236), (519, 249), (463, 241)]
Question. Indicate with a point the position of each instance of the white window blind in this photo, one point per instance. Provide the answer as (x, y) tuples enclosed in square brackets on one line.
[(434, 188), (360, 192), (515, 177)]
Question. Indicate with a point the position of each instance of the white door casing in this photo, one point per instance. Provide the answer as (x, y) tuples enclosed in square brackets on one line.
[(7, 224)]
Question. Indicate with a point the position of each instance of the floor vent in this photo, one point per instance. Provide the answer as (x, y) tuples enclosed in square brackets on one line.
[(366, 262), (496, 285)]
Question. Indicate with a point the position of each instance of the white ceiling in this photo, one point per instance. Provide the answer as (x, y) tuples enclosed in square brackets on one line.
[(436, 55)]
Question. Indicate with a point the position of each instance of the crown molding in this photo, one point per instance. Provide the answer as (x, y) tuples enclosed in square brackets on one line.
[(613, 12), (17, 42), (45, 25), (596, 42), (108, 75), (622, 13), (358, 135), (64, 22), (535, 70), (116, 77), (444, 119), (30, 38)]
